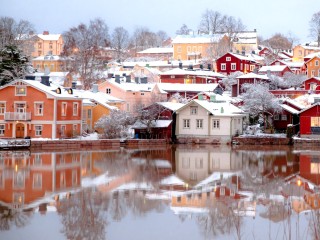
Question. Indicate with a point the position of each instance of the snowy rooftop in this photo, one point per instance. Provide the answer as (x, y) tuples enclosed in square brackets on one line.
[(179, 71), (254, 75), (48, 57), (171, 87), (53, 37), (274, 68), (157, 50), (173, 106), (134, 87), (289, 109), (154, 123)]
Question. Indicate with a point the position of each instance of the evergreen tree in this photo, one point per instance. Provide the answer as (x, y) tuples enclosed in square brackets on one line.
[(13, 64)]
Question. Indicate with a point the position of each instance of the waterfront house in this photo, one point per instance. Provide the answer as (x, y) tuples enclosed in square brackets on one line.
[(310, 120), (208, 122), (29, 108)]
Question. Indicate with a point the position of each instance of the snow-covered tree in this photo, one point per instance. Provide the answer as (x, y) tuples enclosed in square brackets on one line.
[(315, 27), (13, 64), (259, 102), (276, 82), (294, 80), (231, 79), (115, 125), (178, 98)]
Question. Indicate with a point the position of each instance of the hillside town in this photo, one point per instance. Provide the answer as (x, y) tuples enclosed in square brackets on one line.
[(199, 86)]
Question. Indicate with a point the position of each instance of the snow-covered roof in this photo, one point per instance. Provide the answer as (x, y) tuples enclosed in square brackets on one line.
[(179, 87), (48, 57), (154, 124), (198, 38), (173, 106), (217, 108), (289, 109), (48, 37), (132, 86), (160, 63), (254, 75), (50, 90), (157, 50), (179, 71), (273, 68), (244, 57), (172, 180), (295, 103)]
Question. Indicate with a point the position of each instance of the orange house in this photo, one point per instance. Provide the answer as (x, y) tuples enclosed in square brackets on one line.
[(26, 178), (301, 51), (47, 44), (53, 63), (313, 66), (30, 108)]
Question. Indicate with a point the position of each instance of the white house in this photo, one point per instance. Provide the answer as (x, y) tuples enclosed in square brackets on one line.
[(202, 121)]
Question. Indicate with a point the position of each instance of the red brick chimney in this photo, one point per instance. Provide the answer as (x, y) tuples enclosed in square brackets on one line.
[(45, 32)]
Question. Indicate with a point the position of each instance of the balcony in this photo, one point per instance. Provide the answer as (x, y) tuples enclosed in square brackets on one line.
[(17, 116)]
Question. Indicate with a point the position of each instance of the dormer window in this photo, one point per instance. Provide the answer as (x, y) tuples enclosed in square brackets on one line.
[(228, 59), (193, 110)]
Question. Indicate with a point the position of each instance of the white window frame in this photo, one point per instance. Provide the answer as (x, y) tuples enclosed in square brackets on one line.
[(2, 108), (216, 123), (193, 110), (233, 66), (228, 59), (2, 129), (186, 123), (284, 117), (64, 107), (37, 181), (223, 66), (276, 117), (75, 109), (199, 123), (38, 111), (21, 90), (38, 130), (108, 91)]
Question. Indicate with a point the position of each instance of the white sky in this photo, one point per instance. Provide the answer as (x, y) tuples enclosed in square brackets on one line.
[(268, 17)]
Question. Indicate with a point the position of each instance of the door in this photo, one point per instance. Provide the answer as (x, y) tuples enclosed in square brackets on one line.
[(19, 130)]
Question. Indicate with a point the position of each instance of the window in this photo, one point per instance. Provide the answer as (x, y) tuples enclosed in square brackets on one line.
[(228, 59), (37, 159), (222, 191), (108, 91), (216, 123), (189, 49), (186, 123), (185, 162), (312, 73), (64, 109), (39, 45), (74, 128), (38, 109), (50, 46), (283, 117), (233, 66), (142, 94), (232, 192), (128, 107), (18, 181), (74, 177), (223, 66), (179, 49), (63, 179), (252, 67), (199, 163), (21, 91), (2, 108), (37, 180), (193, 176), (316, 63), (75, 109), (38, 129), (2, 128), (193, 110), (199, 123), (172, 76), (315, 121), (63, 130), (89, 113), (276, 117)]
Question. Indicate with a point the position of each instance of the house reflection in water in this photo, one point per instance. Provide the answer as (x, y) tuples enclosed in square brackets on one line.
[(27, 178)]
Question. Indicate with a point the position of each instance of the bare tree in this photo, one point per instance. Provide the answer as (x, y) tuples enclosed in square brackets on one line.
[(142, 39), (184, 30), (315, 27), (83, 43), (162, 36), (120, 42), (212, 22), (232, 28), (18, 34), (278, 42)]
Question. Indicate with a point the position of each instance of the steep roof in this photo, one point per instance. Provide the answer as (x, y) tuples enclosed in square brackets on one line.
[(254, 75)]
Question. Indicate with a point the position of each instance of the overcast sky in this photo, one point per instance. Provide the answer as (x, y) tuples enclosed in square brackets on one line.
[(268, 16)]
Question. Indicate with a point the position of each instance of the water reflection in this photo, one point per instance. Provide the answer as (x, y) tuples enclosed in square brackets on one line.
[(240, 192)]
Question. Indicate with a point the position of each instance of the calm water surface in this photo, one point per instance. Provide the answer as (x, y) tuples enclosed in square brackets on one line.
[(174, 192)]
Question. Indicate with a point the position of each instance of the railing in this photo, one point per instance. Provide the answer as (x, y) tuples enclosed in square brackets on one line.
[(14, 143), (17, 116)]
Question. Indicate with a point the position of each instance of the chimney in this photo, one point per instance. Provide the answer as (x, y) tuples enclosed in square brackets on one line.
[(45, 80), (45, 32), (74, 85)]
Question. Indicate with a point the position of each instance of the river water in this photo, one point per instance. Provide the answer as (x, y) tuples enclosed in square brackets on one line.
[(173, 192)]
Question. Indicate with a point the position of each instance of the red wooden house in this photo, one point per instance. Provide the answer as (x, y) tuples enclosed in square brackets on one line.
[(163, 127), (312, 84), (38, 110), (278, 70), (187, 76), (231, 62), (310, 121), (295, 67)]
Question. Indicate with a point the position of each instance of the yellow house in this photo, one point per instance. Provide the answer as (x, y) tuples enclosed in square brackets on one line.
[(301, 51), (201, 46), (313, 66), (47, 44), (95, 105), (53, 63)]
